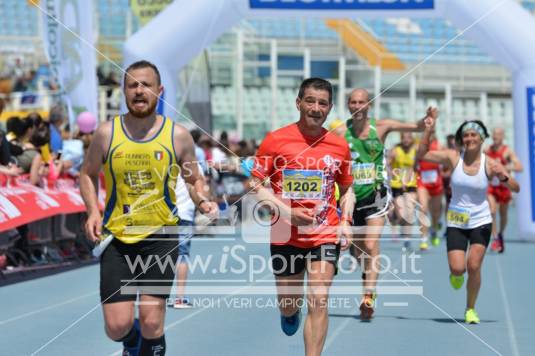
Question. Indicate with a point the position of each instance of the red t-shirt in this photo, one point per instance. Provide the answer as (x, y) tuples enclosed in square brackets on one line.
[(498, 155), (302, 172), (429, 173)]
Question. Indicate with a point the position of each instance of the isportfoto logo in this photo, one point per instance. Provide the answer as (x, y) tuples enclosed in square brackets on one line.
[(245, 266), (343, 4)]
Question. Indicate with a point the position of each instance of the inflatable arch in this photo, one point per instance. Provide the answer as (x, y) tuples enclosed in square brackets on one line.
[(501, 27)]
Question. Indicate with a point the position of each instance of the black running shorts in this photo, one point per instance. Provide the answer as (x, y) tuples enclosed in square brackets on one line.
[(374, 205), (147, 266), (288, 260), (458, 239)]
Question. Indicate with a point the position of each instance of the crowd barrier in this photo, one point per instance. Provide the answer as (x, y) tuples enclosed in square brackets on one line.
[(22, 203)]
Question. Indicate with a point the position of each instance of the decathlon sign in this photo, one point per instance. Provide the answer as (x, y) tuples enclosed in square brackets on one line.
[(342, 4)]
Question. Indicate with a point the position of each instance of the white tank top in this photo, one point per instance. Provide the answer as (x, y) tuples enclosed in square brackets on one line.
[(184, 204), (469, 207)]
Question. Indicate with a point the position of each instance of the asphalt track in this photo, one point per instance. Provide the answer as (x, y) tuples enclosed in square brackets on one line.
[(418, 313)]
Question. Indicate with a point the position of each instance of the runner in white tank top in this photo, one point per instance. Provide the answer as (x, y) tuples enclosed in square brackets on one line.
[(469, 195), (469, 218)]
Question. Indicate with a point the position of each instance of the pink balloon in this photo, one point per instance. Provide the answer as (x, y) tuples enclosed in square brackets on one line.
[(87, 122)]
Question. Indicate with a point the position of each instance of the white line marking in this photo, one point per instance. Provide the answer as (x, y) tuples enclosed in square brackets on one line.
[(50, 307), (508, 318), (396, 304)]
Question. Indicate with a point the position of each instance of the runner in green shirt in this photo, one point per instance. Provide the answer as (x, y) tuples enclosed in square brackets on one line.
[(366, 139)]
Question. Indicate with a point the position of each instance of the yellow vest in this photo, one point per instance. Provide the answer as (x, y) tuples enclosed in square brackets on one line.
[(403, 168), (140, 181)]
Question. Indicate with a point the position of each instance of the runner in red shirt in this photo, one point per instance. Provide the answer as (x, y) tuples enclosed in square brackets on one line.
[(303, 161), (498, 193), (430, 189)]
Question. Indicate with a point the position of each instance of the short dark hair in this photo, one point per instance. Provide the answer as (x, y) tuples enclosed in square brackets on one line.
[(13, 124), (18, 126), (318, 84), (41, 135), (35, 118), (196, 135), (459, 133), (57, 113), (142, 64)]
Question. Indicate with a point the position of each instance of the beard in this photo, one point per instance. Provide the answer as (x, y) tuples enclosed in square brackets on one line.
[(359, 115), (150, 109)]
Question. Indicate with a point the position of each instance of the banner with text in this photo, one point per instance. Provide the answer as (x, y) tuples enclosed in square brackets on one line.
[(68, 36)]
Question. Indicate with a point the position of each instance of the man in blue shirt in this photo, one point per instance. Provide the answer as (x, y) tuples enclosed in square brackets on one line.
[(56, 118)]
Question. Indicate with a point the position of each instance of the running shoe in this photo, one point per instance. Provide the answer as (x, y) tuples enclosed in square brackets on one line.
[(133, 351), (456, 281), (501, 244), (424, 246), (367, 306), (471, 317), (182, 303), (495, 245), (290, 324), (435, 240)]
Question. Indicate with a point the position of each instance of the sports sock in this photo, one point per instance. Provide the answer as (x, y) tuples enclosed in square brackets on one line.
[(153, 347)]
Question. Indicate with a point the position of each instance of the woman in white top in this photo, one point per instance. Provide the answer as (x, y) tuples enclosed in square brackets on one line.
[(469, 217)]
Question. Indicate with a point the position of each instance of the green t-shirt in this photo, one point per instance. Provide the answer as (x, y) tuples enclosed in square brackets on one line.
[(369, 165)]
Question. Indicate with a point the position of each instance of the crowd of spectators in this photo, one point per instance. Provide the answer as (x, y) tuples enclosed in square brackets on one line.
[(39, 151)]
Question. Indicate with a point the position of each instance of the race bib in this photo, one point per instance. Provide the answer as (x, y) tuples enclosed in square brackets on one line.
[(363, 173), (458, 216), (302, 184), (495, 181), (429, 177)]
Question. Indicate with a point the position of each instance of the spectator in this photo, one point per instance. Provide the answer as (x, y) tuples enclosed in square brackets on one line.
[(199, 152), (219, 151), (15, 129), (111, 81), (57, 118), (5, 154), (31, 160), (205, 143), (74, 150)]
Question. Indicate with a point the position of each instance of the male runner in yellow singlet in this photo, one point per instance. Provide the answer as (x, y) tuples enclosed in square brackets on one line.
[(142, 154)]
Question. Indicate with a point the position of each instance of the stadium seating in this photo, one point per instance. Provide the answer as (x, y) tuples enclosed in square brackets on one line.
[(257, 110)]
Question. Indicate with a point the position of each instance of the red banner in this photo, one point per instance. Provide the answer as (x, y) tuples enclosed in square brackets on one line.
[(22, 203)]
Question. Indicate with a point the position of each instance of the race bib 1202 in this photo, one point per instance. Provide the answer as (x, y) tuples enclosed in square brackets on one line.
[(302, 184)]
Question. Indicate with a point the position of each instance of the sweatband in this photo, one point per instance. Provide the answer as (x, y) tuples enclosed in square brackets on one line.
[(476, 127)]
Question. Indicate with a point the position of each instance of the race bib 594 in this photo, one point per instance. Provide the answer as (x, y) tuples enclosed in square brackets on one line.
[(458, 216)]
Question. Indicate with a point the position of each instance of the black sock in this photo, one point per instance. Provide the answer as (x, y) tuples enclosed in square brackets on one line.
[(152, 347), (130, 340)]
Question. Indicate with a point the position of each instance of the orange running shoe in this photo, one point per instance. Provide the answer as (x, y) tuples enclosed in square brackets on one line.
[(367, 306)]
